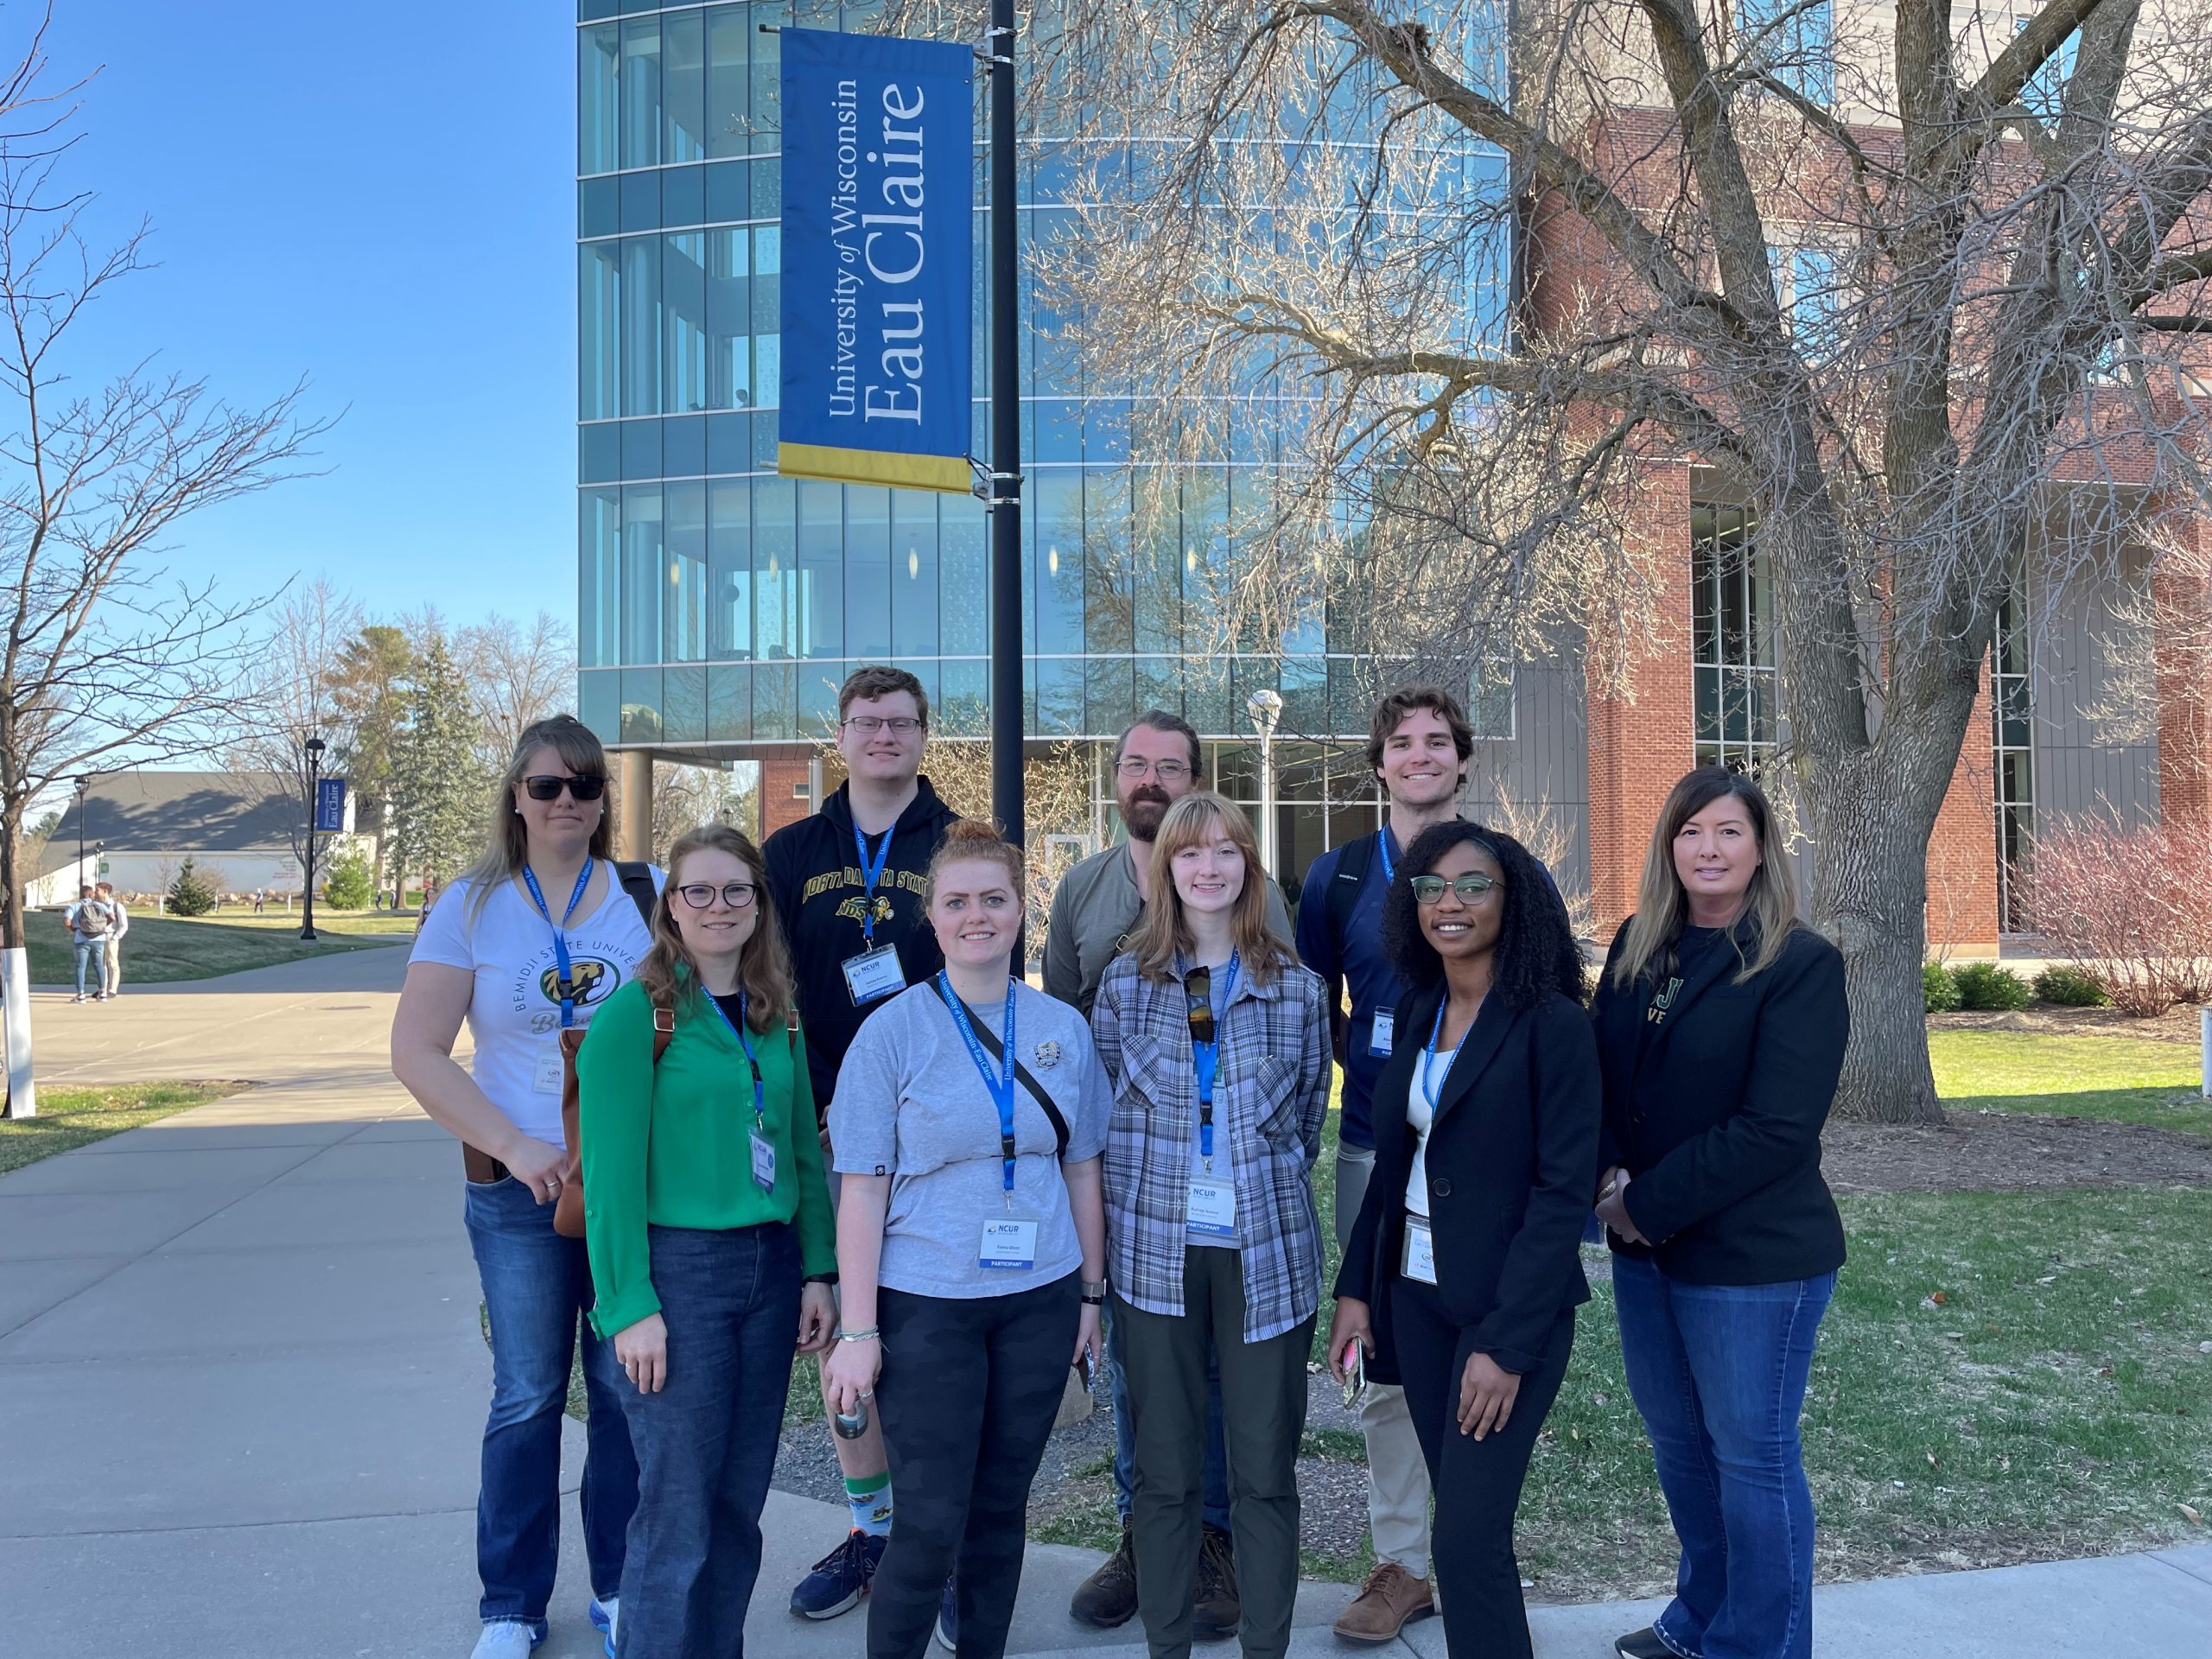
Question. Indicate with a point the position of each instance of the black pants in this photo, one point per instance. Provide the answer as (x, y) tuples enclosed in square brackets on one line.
[(1263, 1416), (1478, 1481), (968, 1396)]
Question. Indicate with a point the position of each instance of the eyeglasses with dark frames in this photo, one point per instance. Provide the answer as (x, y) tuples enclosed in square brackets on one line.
[(699, 894), (542, 786), (1429, 889), (869, 725)]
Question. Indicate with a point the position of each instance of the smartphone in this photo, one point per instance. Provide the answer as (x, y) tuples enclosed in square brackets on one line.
[(1354, 1366), (1090, 1369)]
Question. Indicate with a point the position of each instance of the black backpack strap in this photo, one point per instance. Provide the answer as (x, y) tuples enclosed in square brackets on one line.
[(996, 1049), (637, 880)]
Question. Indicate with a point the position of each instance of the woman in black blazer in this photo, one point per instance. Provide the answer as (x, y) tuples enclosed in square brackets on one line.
[(1461, 1276), (1721, 1025)]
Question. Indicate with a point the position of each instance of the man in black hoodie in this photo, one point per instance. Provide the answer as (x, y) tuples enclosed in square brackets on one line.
[(847, 886)]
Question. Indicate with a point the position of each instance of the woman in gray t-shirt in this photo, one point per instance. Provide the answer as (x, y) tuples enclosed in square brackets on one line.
[(968, 1119)]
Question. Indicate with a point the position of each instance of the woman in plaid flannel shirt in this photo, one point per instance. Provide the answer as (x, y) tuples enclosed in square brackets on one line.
[(1217, 1043)]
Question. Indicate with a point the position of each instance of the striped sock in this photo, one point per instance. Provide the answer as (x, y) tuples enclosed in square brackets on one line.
[(870, 1496)]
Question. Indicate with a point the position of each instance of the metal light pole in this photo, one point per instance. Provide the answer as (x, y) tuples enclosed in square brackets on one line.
[(1005, 495), (83, 783), (315, 780), (1265, 706)]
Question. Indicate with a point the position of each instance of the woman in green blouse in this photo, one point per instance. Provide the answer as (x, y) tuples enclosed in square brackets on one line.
[(707, 1216)]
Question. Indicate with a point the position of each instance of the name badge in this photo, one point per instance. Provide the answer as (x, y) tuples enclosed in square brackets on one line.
[(546, 1079), (873, 975), (1213, 1207), (1008, 1241), (764, 1161), (1418, 1263), (1385, 1023)]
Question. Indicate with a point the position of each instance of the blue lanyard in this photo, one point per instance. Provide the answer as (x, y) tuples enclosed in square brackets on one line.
[(1389, 864), (745, 1042), (871, 872), (1002, 1085), (1206, 1059), (1428, 1081), (560, 935)]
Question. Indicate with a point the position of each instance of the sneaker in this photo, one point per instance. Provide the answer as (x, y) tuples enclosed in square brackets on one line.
[(1390, 1599), (78, 998), (1215, 1610), (948, 1620), (603, 1615), (1643, 1645), (840, 1579), (506, 1639), (1108, 1597)]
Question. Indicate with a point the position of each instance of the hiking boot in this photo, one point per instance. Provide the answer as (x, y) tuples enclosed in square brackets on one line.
[(841, 1578), (1215, 1610), (1108, 1597), (1390, 1599), (1644, 1644)]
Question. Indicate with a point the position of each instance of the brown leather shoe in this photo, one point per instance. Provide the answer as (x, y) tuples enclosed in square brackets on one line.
[(1108, 1597), (1215, 1608), (1390, 1599)]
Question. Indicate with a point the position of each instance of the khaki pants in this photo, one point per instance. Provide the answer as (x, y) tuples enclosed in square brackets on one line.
[(1397, 1475)]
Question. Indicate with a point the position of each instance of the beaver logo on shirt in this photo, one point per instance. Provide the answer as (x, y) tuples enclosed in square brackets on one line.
[(592, 979)]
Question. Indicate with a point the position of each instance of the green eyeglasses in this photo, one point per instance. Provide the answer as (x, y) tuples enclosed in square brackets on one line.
[(1429, 889)]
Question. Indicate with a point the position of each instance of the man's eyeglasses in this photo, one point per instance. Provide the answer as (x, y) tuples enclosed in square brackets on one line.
[(898, 725), (582, 787), (1167, 772), (1429, 889), (738, 895)]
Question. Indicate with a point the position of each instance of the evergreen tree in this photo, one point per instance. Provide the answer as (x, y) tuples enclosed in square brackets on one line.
[(368, 693), (190, 894), (349, 886), (438, 782)]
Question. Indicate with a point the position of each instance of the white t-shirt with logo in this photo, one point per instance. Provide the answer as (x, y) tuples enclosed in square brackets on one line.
[(514, 1013)]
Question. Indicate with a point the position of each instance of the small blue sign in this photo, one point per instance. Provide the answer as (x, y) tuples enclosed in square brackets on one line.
[(878, 260), (330, 806)]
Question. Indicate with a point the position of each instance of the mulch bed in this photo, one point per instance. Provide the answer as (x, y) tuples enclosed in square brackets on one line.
[(2174, 1025), (1999, 1152)]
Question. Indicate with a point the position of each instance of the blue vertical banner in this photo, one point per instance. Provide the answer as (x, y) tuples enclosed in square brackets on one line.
[(878, 246), (330, 806)]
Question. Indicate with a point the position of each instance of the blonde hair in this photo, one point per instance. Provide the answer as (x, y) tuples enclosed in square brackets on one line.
[(508, 841), (1662, 908), (1162, 934), (764, 966), (966, 838)]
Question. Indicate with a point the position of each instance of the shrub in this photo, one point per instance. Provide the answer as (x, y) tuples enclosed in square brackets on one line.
[(1984, 988), (2129, 907), (191, 894), (349, 886), (2071, 988), (1942, 990)]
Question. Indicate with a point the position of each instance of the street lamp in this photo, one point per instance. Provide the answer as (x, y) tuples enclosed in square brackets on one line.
[(83, 783), (315, 789), (1265, 706)]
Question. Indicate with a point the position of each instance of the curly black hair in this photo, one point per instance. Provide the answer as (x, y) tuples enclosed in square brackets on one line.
[(1536, 954)]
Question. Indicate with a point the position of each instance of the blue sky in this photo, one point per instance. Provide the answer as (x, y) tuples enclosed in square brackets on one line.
[(380, 198)]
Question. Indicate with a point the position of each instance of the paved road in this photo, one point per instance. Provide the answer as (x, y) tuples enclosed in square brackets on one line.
[(243, 1384)]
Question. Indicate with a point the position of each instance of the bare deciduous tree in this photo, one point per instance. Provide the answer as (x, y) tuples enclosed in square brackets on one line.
[(286, 697), (102, 661), (518, 673), (1893, 291)]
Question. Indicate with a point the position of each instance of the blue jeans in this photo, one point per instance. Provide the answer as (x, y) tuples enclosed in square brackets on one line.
[(706, 1443), (537, 1287), (92, 954), (1215, 1496), (1719, 1372)]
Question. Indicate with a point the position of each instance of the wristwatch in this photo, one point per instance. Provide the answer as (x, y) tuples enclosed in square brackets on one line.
[(1094, 1292)]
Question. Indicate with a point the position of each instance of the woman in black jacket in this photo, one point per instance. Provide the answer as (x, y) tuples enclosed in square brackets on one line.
[(1461, 1276), (1721, 1025)]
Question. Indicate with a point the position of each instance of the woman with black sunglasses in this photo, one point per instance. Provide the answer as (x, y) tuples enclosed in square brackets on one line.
[(1462, 1275), (529, 942)]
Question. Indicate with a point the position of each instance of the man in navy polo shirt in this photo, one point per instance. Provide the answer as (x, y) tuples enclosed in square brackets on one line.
[(1418, 743)]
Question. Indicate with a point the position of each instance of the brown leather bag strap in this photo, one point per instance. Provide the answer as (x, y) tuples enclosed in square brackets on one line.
[(663, 1032)]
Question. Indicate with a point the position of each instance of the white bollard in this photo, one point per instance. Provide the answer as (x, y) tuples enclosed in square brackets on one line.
[(22, 1095), (2204, 1050)]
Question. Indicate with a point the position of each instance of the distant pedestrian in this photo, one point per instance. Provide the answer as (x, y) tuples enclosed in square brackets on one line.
[(111, 960), (376, 902), (260, 899), (88, 921)]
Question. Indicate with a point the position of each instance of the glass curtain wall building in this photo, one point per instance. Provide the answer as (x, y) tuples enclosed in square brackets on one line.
[(719, 606)]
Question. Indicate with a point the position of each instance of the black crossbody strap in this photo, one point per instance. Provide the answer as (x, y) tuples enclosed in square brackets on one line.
[(996, 1049)]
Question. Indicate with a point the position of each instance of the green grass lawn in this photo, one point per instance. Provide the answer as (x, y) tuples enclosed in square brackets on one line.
[(160, 949), (77, 1117), (2118, 1078)]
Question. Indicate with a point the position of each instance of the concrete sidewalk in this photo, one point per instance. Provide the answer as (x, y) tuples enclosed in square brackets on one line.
[(244, 1386)]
